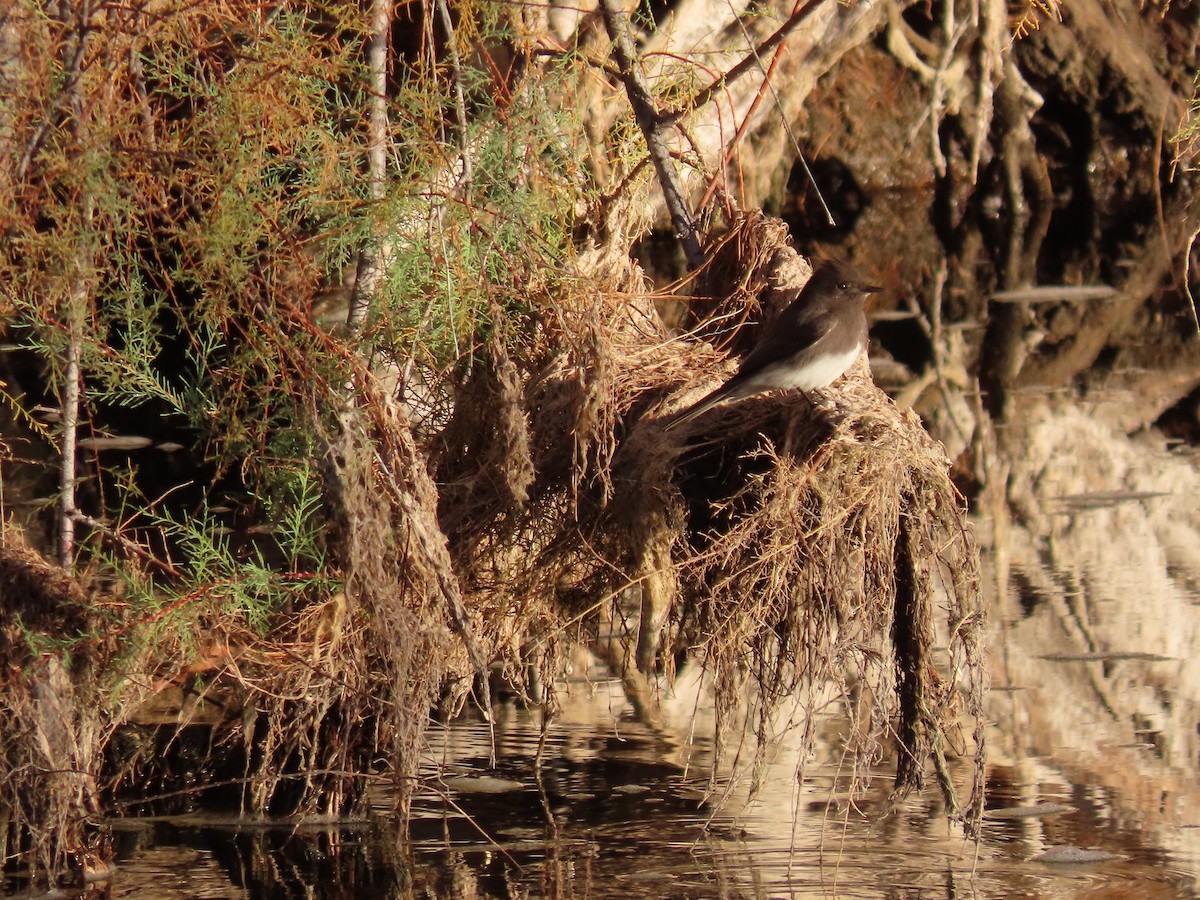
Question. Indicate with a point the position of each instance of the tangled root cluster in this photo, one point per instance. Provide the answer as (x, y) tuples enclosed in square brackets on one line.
[(791, 548)]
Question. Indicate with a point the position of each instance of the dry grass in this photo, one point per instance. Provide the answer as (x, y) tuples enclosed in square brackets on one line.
[(54, 729), (787, 548)]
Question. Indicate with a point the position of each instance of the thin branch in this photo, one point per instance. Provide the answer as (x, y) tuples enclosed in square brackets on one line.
[(1187, 276), (69, 411), (69, 98), (653, 126), (767, 72), (76, 312), (460, 103)]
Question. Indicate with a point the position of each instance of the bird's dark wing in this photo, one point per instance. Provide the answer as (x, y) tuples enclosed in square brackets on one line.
[(796, 329)]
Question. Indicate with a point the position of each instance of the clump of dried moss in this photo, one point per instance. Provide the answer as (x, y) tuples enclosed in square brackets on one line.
[(787, 546), (833, 553)]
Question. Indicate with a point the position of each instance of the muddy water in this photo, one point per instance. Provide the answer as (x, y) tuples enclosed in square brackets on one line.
[(620, 814), (1094, 748), (618, 810)]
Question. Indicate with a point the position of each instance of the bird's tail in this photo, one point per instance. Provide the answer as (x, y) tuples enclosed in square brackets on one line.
[(701, 406)]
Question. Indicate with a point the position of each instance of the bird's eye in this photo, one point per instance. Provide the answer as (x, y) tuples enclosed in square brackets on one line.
[(843, 286)]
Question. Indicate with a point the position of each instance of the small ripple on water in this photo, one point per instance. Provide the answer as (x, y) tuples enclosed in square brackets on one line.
[(629, 823)]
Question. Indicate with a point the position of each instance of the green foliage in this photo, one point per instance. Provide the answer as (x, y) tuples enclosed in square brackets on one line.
[(192, 193), (294, 507), (459, 261), (184, 186), (41, 643), (254, 577), (202, 178)]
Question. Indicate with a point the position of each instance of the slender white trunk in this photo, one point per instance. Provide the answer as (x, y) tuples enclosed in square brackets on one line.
[(370, 257)]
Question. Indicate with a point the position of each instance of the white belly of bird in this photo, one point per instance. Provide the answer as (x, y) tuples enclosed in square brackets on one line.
[(822, 373)]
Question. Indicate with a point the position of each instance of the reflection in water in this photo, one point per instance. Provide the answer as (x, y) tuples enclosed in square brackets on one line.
[(1094, 747), (1095, 621), (623, 812)]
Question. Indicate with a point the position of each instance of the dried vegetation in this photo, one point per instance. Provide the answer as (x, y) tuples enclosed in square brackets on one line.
[(458, 486)]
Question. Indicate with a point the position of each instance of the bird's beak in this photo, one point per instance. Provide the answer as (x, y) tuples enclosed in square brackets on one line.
[(871, 289)]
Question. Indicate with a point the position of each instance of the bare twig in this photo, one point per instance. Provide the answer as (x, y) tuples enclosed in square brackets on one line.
[(76, 313), (1187, 276), (69, 98), (653, 127), (783, 118), (460, 103)]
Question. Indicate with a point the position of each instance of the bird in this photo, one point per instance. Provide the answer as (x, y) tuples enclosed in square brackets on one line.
[(811, 343)]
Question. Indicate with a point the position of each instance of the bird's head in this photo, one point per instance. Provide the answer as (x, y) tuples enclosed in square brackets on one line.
[(838, 279)]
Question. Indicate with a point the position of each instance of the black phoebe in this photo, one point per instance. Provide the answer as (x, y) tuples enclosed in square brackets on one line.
[(812, 342)]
